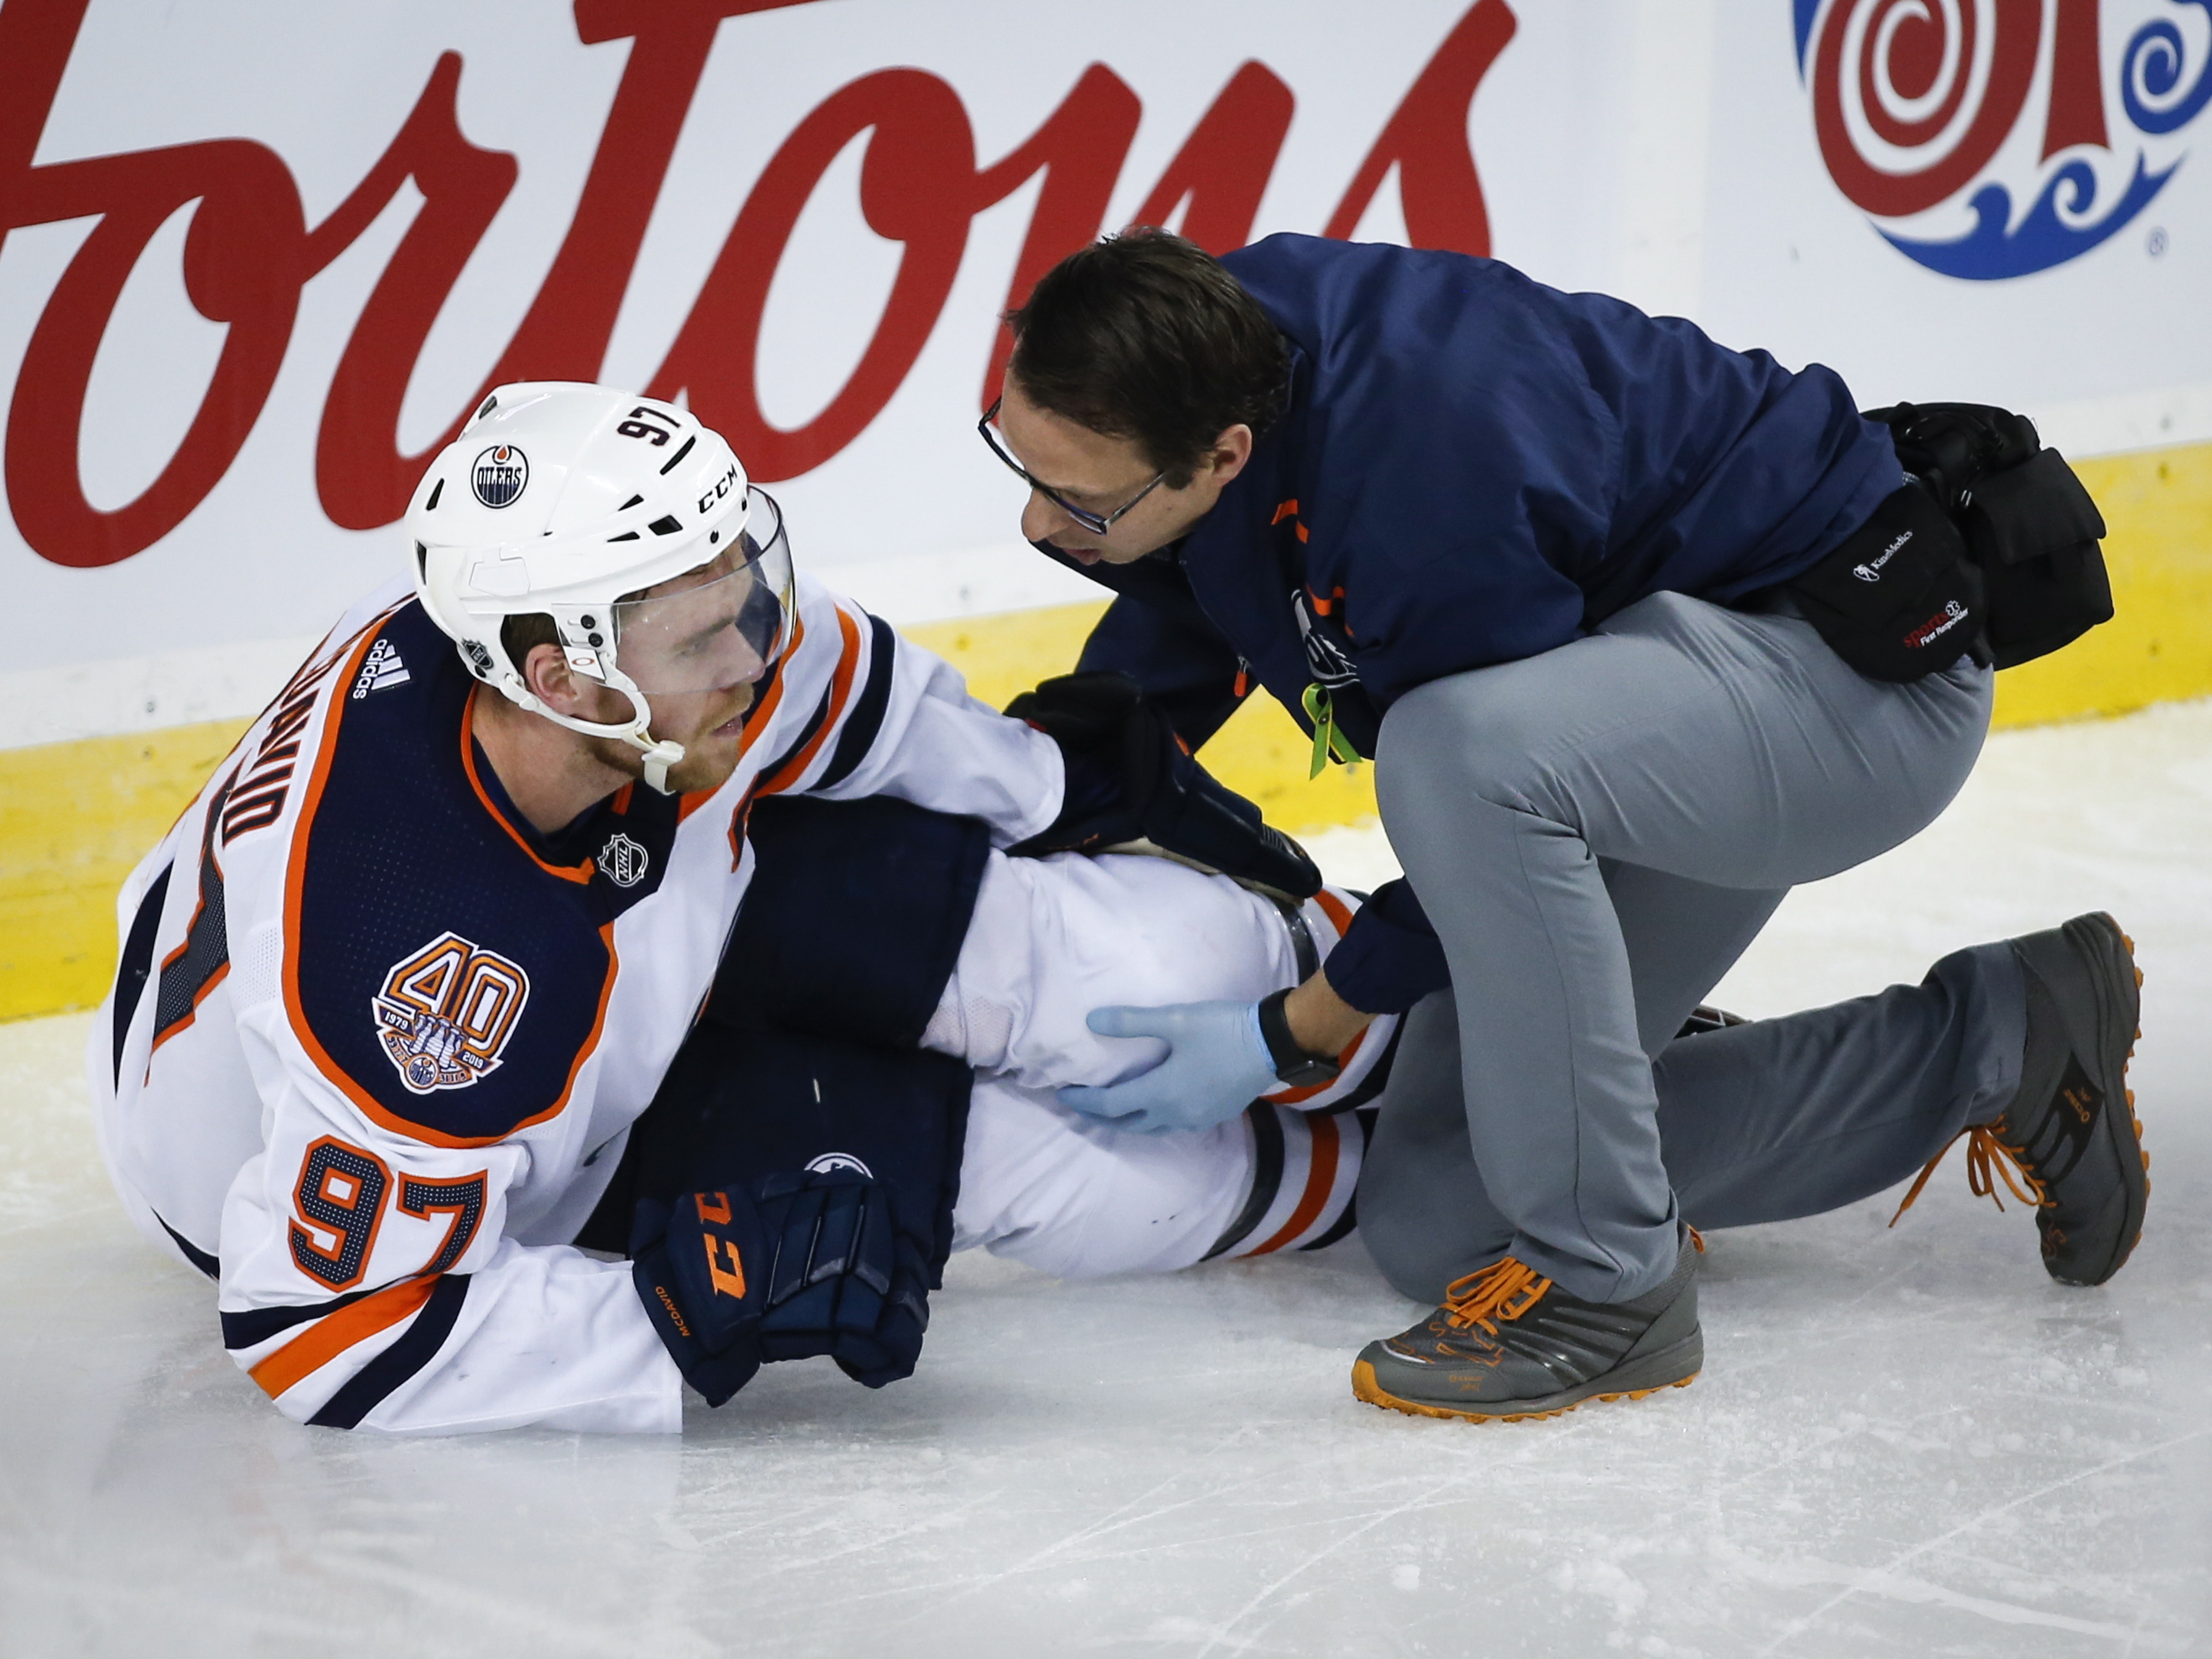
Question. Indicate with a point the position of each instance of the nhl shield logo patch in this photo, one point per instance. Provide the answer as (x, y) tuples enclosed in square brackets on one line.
[(621, 860), (445, 1013), (499, 475)]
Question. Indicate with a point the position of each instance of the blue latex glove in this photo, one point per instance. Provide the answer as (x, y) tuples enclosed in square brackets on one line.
[(1216, 1064)]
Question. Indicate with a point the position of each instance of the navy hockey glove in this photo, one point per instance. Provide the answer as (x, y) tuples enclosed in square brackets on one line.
[(803, 1265), (1218, 1063), (1130, 781), (696, 1269), (843, 1279)]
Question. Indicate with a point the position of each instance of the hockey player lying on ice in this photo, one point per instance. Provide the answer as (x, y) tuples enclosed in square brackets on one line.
[(397, 991)]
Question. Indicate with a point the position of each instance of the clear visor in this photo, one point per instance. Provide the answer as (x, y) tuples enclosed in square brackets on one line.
[(716, 627)]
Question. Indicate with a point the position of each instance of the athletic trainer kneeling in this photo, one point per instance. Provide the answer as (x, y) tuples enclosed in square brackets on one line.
[(1584, 584)]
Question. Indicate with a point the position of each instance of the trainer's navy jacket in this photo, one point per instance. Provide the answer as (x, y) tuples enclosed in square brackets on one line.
[(1474, 468)]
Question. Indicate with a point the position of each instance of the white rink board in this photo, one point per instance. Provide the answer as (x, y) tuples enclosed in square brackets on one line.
[(1662, 150), (1905, 1442)]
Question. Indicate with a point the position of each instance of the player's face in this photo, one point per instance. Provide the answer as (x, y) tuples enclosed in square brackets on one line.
[(1102, 474), (698, 646)]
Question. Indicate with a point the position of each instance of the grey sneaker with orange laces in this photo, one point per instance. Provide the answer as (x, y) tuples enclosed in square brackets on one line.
[(2069, 1143), (1509, 1344)]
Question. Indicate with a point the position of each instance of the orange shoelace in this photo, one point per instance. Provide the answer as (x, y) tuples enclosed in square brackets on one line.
[(1505, 1290), (1984, 1153)]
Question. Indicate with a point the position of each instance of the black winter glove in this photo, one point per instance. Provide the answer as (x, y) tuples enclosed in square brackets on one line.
[(801, 1265), (1131, 783)]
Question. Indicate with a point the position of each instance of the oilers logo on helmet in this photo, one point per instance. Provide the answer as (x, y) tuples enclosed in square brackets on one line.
[(499, 475), (445, 1013), (623, 861)]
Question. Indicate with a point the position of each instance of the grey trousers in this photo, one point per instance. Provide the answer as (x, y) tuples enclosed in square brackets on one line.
[(1596, 834)]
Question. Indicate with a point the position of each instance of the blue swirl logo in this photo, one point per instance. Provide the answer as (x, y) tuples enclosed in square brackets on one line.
[(1939, 117)]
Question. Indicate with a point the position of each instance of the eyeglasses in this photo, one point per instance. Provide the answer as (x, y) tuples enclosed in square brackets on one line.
[(1097, 523)]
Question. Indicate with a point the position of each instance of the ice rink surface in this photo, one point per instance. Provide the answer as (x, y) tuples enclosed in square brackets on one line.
[(1905, 1442)]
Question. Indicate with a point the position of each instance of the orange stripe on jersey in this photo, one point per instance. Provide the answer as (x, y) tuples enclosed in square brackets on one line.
[(1338, 912), (305, 677), (841, 692), (590, 1045), (184, 1024), (579, 873), (332, 1334), (311, 671), (1320, 1177), (1296, 1097), (295, 880), (758, 717), (1285, 510), (215, 801), (1339, 917)]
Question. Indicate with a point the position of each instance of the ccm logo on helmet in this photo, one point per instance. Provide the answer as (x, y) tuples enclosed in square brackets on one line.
[(723, 485), (499, 475)]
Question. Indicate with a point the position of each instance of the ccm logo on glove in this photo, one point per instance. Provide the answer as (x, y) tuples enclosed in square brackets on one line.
[(725, 1270), (795, 1266)]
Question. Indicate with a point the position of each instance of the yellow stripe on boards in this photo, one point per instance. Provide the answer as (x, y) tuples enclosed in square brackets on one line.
[(2158, 647), (75, 817)]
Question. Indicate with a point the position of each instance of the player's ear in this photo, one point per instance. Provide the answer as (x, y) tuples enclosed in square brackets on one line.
[(545, 670)]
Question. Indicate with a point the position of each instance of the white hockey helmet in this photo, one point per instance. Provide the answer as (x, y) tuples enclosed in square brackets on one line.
[(566, 500)]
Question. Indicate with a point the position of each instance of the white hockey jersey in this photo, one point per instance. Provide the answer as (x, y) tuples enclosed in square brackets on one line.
[(376, 1044)]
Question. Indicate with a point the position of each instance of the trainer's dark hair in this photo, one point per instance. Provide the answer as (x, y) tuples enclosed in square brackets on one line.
[(1146, 336)]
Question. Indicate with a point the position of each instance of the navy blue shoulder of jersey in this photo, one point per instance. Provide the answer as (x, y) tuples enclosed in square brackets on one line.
[(451, 965)]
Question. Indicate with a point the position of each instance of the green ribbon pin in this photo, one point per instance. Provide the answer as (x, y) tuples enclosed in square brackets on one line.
[(1329, 744)]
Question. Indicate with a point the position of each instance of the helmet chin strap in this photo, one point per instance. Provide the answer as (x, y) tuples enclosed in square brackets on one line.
[(660, 753)]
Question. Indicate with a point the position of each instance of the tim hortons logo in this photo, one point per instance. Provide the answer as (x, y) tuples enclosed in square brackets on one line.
[(1976, 140), (251, 250), (445, 1013)]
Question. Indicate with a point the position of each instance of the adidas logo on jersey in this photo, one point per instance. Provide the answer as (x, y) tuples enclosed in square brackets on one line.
[(379, 669), (447, 1011)]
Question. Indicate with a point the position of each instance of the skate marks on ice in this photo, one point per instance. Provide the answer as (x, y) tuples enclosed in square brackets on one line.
[(1889, 1437), (1904, 1441)]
